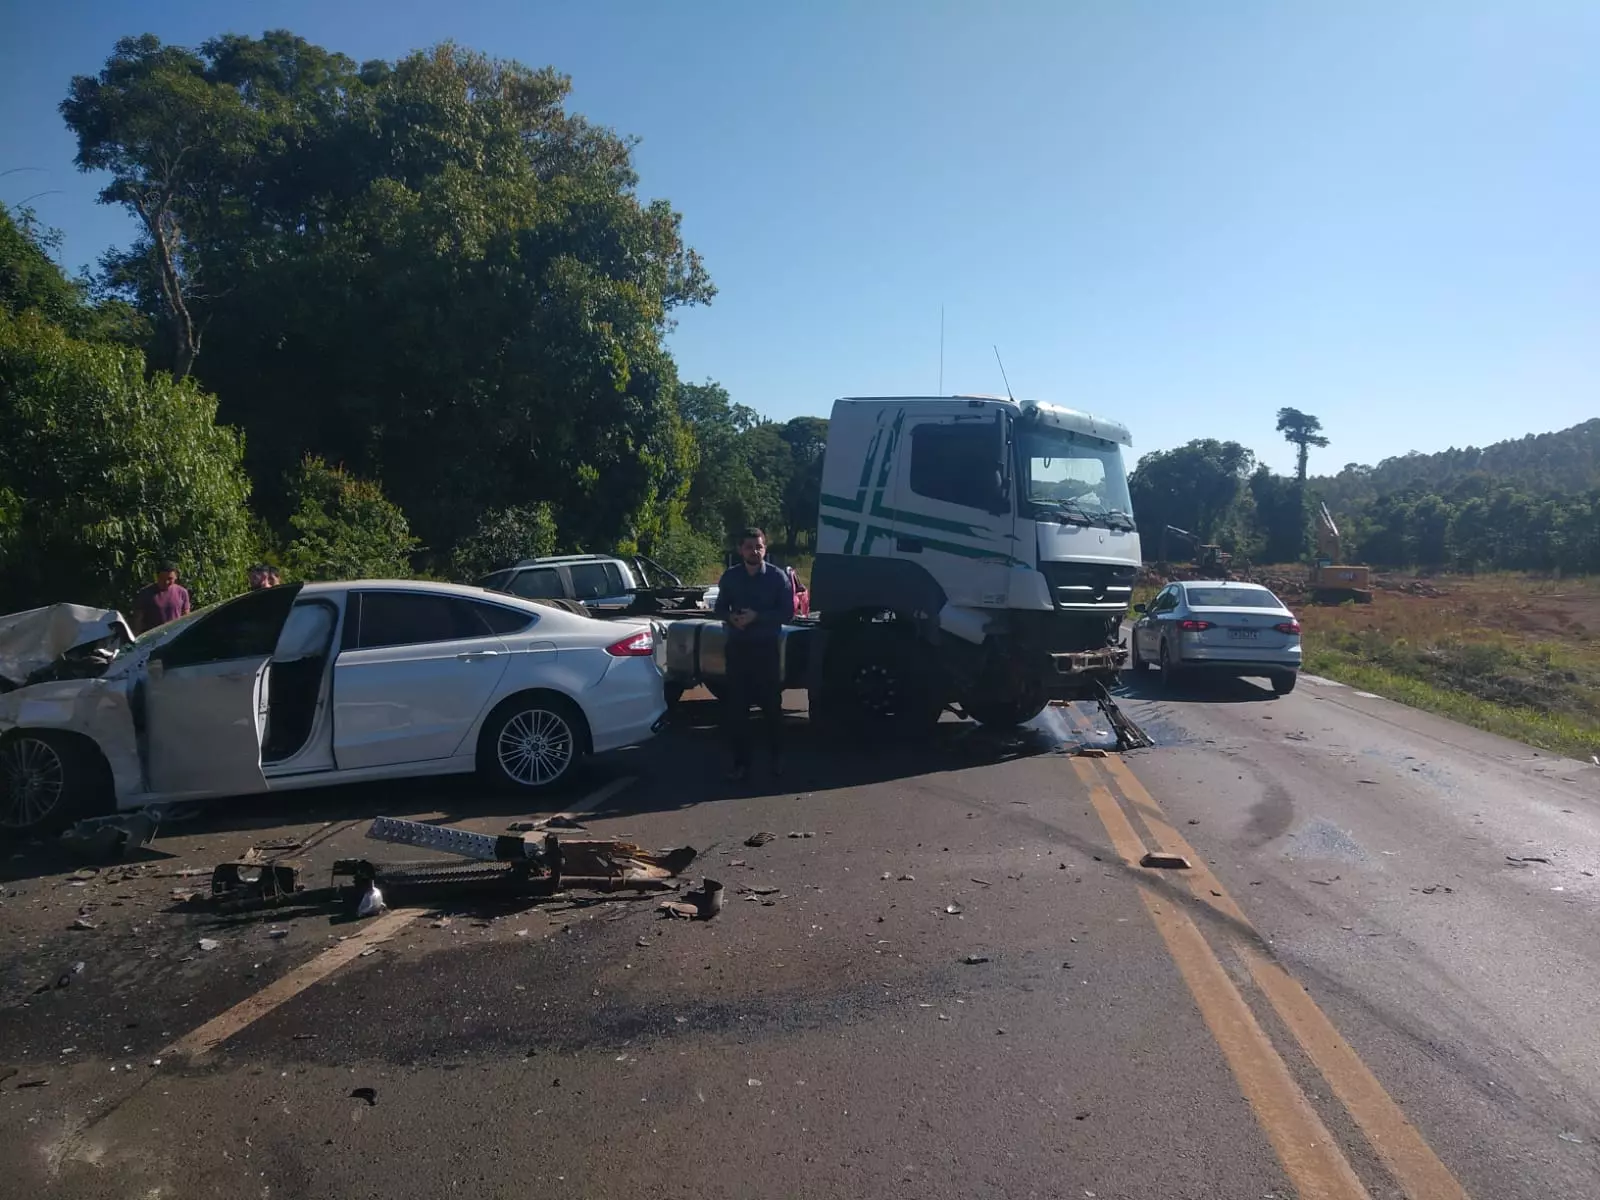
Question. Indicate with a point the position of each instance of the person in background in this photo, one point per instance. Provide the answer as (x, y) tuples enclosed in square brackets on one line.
[(263, 576), (754, 598), (162, 601)]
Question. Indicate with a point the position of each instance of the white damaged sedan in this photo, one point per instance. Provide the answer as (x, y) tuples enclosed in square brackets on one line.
[(326, 683)]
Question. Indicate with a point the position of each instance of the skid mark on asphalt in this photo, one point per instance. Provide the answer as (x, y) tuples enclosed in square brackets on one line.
[(1397, 1142), (213, 1033)]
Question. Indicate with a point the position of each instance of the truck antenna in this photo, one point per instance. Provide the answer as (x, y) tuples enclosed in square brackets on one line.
[(1009, 396), (940, 392)]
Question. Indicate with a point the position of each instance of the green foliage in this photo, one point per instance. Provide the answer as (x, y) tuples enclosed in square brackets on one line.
[(30, 281), (104, 472), (690, 555), (428, 270), (1302, 431), (345, 528), (503, 537), (1198, 487)]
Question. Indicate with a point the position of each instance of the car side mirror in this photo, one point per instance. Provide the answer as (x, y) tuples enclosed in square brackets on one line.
[(1140, 608)]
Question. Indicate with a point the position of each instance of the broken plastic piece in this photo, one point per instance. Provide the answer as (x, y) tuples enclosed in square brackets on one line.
[(371, 902), (1169, 862)]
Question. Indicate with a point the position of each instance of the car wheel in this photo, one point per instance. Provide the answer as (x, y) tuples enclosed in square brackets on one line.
[(1283, 682), (532, 742), (46, 780), (1135, 663), (1169, 669)]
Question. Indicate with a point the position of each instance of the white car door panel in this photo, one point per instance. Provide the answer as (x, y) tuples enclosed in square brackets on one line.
[(399, 704), (204, 724), (410, 687)]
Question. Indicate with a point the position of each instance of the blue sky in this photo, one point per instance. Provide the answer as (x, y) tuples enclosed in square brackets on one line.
[(1182, 215)]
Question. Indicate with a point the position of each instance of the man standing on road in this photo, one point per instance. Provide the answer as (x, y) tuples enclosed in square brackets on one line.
[(162, 601), (754, 599)]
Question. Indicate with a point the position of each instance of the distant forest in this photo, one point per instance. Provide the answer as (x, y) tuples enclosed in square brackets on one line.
[(1531, 504)]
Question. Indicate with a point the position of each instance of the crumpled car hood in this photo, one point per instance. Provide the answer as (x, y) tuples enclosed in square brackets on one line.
[(36, 638)]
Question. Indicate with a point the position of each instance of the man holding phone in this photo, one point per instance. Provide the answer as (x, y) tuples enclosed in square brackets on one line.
[(755, 599)]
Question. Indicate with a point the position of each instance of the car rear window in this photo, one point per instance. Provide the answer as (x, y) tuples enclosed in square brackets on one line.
[(1231, 597), (541, 583), (501, 620)]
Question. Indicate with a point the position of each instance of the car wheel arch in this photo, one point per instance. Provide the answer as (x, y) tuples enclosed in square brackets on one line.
[(103, 797)]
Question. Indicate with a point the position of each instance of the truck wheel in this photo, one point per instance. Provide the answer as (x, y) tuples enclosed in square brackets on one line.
[(1006, 713), (47, 780), (878, 681)]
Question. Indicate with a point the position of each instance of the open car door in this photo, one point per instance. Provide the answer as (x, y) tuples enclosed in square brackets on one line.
[(205, 698)]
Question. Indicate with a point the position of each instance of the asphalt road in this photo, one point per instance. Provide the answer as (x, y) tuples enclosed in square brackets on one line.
[(1377, 978)]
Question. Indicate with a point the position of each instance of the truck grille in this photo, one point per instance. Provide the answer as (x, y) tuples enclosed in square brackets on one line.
[(1089, 587)]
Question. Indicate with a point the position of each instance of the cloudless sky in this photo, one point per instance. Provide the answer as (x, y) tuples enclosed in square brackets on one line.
[(1182, 215)]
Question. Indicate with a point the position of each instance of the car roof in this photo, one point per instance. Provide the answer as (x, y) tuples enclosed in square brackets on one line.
[(1223, 583), (565, 558), (470, 591)]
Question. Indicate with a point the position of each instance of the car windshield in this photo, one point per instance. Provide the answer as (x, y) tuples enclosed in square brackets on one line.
[(1231, 597), (1076, 474)]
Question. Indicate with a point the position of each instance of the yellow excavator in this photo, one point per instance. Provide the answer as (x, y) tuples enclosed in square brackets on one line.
[(1333, 582)]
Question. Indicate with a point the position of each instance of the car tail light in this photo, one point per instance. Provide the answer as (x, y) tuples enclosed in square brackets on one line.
[(1288, 627), (1193, 626), (635, 645)]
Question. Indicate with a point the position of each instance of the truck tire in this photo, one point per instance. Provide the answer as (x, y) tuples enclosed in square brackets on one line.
[(878, 680)]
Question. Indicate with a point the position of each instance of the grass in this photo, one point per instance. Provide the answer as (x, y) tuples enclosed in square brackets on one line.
[(1511, 655)]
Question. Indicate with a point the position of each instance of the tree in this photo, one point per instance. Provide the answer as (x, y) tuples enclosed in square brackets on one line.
[(503, 537), (104, 473), (1281, 530), (1196, 487), (427, 270), (345, 528), (30, 280), (1303, 431), (807, 438)]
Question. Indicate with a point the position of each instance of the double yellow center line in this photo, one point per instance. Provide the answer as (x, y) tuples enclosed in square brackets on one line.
[(1311, 1157)]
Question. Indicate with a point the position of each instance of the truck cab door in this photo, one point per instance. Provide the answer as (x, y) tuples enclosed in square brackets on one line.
[(205, 698), (950, 507)]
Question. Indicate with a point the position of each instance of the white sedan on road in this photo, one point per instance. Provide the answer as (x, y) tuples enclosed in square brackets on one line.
[(1217, 626), (325, 683)]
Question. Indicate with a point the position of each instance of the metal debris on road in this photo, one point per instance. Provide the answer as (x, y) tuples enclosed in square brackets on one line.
[(208, 943), (1090, 752), (275, 934), (1165, 861), (766, 889), (681, 909), (251, 882), (84, 923), (953, 910), (973, 960), (908, 876), (759, 839), (370, 1095), (105, 839), (1527, 858), (559, 821)]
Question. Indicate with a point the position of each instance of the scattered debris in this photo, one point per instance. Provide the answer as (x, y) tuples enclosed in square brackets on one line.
[(106, 839), (1436, 887), (794, 834), (887, 875), (33, 1083), (766, 889), (759, 839), (973, 960), (907, 877), (1565, 1137), (370, 1095), (559, 821), (84, 923), (371, 903), (678, 908), (209, 943), (752, 1083), (1164, 861), (1090, 752), (699, 905), (986, 883), (249, 882), (86, 872), (277, 934), (1527, 858), (953, 910)]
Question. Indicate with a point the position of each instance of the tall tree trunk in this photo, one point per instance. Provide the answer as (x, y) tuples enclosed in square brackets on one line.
[(163, 230)]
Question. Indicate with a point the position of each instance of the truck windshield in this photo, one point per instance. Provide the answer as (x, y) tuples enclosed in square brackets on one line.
[(1078, 475)]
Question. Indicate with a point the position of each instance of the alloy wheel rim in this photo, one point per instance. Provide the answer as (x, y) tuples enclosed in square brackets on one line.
[(535, 747), (33, 777), (876, 689)]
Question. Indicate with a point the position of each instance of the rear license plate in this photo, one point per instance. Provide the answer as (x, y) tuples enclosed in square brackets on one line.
[(1243, 633)]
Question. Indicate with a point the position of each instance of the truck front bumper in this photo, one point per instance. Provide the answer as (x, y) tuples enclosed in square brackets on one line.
[(1076, 673)]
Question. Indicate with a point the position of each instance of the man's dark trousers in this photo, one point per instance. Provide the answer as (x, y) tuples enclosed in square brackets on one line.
[(753, 678)]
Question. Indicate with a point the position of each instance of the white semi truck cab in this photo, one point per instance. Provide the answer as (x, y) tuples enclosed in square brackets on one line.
[(970, 550)]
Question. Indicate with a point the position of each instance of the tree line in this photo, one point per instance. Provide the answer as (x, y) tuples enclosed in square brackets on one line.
[(380, 318), (1532, 504)]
